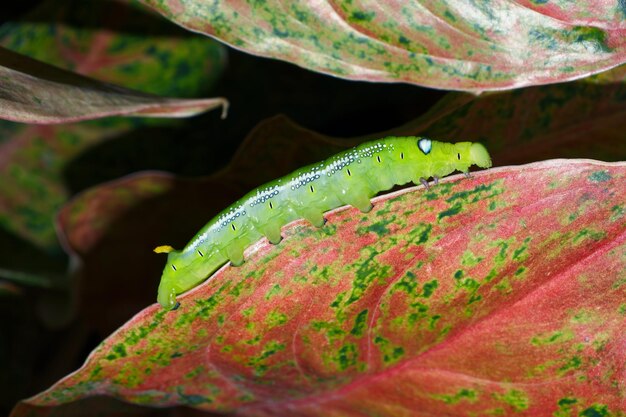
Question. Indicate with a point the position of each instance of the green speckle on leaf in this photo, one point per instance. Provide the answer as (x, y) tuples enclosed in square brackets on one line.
[(617, 211), (360, 323), (380, 227), (596, 410), (95, 372), (600, 176), (567, 401), (368, 271), (464, 394), (118, 351), (429, 288), (516, 399), (582, 316), (595, 235), (331, 330), (270, 349), (572, 363), (347, 356), (420, 234), (192, 399), (593, 38), (551, 338), (254, 341), (276, 318), (456, 209), (391, 354), (273, 291), (565, 407), (360, 15), (195, 372), (433, 321), (520, 253), (418, 312), (470, 259), (448, 15)]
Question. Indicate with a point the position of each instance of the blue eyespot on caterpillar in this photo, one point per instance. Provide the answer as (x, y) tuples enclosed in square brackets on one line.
[(350, 177)]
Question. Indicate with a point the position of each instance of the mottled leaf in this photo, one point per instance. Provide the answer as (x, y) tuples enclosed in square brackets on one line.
[(114, 43), (581, 119), (91, 38), (460, 45), (501, 294), (34, 92)]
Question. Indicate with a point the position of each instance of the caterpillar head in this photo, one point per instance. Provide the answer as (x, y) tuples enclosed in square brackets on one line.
[(168, 287), (183, 271), (480, 156)]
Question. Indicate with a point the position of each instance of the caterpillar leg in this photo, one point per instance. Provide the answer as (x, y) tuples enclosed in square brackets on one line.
[(315, 217), (425, 183), (272, 232), (359, 200), (234, 252), (436, 179)]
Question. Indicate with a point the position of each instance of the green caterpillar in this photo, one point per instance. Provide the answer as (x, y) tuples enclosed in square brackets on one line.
[(350, 177)]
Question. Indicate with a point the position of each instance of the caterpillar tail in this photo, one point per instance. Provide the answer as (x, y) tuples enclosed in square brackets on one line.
[(163, 249)]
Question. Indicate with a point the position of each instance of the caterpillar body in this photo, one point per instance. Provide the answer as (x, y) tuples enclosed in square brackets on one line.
[(350, 177)]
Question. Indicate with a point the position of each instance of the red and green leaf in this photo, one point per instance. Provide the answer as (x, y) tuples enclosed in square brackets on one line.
[(500, 294), (34, 159), (40, 167), (468, 45)]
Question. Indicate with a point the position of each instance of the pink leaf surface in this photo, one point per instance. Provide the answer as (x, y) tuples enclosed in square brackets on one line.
[(35, 92), (460, 45), (500, 294)]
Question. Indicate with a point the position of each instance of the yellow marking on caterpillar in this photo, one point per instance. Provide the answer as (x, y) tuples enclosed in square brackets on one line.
[(163, 249)]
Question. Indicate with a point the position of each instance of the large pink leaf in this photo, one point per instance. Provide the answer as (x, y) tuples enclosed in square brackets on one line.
[(461, 45), (499, 294), (34, 92)]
